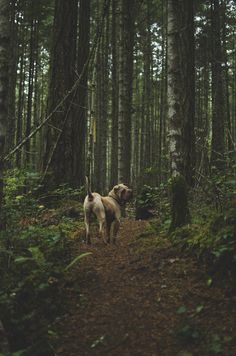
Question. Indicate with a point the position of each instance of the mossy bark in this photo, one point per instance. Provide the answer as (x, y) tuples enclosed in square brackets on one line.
[(179, 203)]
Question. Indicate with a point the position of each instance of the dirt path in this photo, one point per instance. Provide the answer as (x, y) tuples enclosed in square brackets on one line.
[(128, 300)]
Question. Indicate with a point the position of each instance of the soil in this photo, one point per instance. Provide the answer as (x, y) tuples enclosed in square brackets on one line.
[(144, 297)]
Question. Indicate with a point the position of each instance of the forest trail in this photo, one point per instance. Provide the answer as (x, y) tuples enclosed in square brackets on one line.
[(137, 300)]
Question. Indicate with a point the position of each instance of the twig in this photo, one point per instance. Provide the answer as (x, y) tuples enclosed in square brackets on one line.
[(74, 87), (91, 59)]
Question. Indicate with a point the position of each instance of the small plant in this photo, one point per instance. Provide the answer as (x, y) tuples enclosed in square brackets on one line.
[(35, 254), (187, 329), (217, 342), (152, 202)]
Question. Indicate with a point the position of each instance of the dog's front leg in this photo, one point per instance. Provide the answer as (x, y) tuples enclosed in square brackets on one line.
[(108, 228), (116, 226)]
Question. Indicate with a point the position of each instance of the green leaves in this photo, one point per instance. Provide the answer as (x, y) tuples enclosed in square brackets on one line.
[(77, 259), (98, 342), (209, 281), (199, 308), (181, 310), (37, 257)]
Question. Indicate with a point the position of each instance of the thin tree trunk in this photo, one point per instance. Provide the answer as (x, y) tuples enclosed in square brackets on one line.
[(30, 93), (81, 100), (128, 83), (4, 75), (14, 47), (125, 89), (218, 100), (115, 95), (20, 103), (226, 81)]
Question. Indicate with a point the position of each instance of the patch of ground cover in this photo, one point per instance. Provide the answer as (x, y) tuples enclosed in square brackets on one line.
[(145, 297), (35, 249)]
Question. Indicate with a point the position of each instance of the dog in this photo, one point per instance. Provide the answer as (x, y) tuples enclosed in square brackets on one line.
[(107, 211)]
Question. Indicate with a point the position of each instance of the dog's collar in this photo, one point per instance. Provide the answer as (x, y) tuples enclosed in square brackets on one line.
[(117, 200)]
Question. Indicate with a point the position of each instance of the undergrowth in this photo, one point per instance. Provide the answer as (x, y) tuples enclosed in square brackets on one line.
[(35, 254), (211, 233)]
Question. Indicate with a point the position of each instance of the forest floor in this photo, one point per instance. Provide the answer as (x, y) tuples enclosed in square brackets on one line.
[(144, 297)]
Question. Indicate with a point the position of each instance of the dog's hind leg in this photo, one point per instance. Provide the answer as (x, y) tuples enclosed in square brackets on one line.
[(87, 227), (100, 213), (102, 224)]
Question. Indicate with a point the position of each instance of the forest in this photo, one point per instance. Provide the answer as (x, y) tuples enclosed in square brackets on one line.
[(133, 93)]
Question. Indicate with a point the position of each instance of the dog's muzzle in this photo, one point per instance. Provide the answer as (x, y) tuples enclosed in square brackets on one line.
[(128, 194)]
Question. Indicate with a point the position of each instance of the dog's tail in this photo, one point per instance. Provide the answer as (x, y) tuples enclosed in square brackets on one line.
[(88, 189)]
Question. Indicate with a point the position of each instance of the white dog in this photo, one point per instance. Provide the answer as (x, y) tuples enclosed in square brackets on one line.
[(107, 210)]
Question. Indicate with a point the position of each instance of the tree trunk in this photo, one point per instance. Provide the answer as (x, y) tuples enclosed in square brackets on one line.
[(178, 113), (58, 155), (218, 100), (20, 103), (125, 89), (81, 102), (30, 92), (187, 68), (4, 80), (230, 143), (128, 83), (115, 95), (14, 47)]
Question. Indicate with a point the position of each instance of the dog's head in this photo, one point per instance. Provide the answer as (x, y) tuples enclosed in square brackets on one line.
[(122, 193)]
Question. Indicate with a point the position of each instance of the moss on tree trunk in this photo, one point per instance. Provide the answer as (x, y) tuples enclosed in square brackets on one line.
[(179, 203)]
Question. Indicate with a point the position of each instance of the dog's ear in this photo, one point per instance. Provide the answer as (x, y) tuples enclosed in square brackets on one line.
[(116, 188)]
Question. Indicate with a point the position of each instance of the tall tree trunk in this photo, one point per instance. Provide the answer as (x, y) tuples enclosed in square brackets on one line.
[(218, 100), (115, 95), (36, 104), (163, 93), (120, 154), (20, 103), (30, 92), (4, 80), (126, 44), (11, 125), (100, 153), (178, 87), (128, 83), (230, 144), (187, 68), (80, 116), (58, 153)]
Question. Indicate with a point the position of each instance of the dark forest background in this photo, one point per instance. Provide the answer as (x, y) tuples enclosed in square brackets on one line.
[(93, 80)]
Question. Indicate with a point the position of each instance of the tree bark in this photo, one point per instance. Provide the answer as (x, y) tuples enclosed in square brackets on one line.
[(115, 95), (30, 92), (20, 103), (81, 102), (4, 81), (178, 111), (126, 43), (218, 99), (58, 155), (14, 47)]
